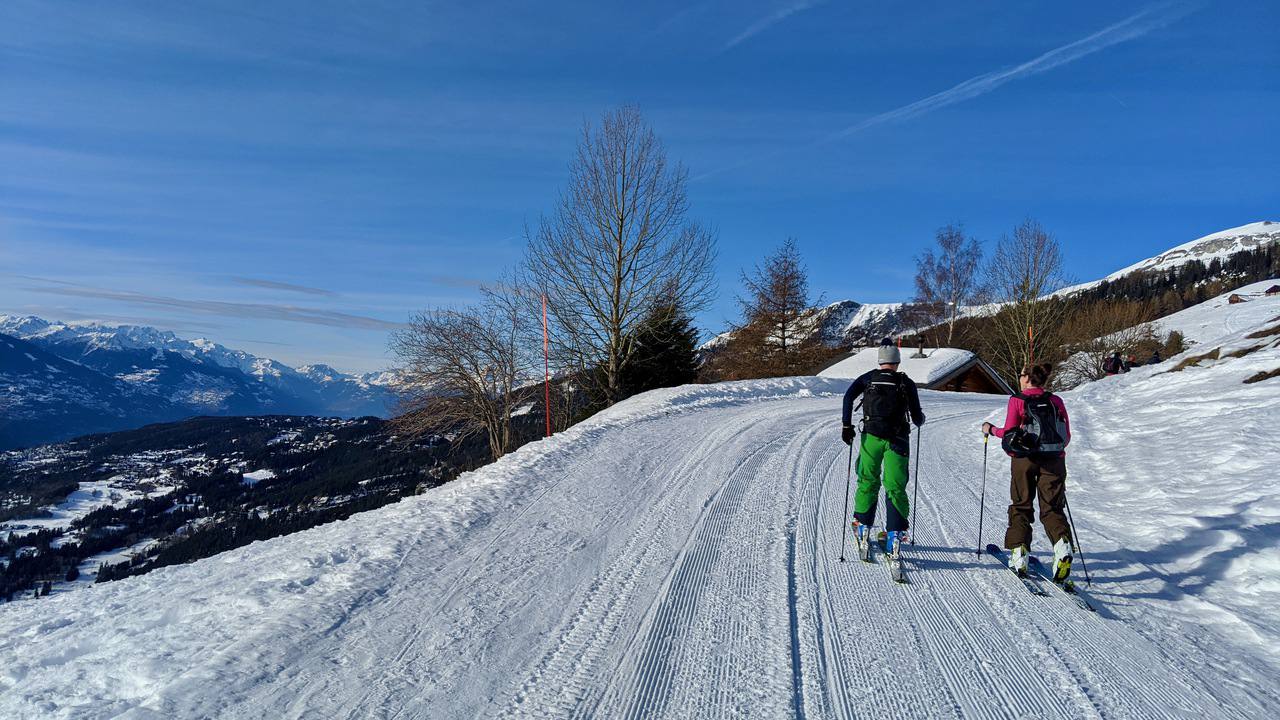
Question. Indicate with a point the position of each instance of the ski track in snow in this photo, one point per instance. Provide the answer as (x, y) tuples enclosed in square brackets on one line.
[(678, 564)]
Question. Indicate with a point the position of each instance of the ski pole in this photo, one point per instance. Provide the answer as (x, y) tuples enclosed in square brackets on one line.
[(982, 503), (915, 492), (1076, 537), (844, 518)]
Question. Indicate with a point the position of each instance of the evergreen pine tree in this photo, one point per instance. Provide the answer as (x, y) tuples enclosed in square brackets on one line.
[(665, 353)]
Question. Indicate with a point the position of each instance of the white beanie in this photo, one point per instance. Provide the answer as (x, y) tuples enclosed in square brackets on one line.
[(889, 355)]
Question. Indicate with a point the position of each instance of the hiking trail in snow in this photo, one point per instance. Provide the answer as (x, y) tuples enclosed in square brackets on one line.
[(676, 556)]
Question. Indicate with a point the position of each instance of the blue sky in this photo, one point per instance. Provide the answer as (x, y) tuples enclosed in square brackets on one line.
[(295, 178)]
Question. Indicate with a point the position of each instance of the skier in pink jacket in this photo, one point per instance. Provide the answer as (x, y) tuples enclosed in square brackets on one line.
[(1035, 434)]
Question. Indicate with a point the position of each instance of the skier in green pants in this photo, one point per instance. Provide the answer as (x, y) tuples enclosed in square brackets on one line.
[(889, 398)]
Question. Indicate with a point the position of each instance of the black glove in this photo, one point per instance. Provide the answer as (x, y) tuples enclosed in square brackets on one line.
[(846, 434)]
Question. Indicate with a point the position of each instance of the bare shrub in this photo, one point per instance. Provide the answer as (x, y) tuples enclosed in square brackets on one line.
[(1093, 332), (465, 371)]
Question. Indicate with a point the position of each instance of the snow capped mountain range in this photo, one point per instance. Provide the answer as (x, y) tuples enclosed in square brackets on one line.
[(172, 377), (1216, 246), (850, 323)]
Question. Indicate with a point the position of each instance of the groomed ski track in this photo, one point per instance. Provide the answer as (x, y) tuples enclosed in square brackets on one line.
[(677, 563)]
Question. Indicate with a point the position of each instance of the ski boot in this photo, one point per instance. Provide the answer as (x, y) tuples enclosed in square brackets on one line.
[(893, 551), (862, 536), (1018, 560), (1061, 561), (893, 540)]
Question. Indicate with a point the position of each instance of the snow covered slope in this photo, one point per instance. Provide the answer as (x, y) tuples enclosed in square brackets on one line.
[(44, 397), (1216, 246), (1216, 318), (676, 556), (840, 324)]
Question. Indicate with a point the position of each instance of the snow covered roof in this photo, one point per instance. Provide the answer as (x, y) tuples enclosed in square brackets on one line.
[(938, 364)]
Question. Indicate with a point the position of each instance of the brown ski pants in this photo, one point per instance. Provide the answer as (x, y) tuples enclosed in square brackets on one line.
[(1048, 479)]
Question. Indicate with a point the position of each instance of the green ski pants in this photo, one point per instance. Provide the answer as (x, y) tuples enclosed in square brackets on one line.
[(874, 453)]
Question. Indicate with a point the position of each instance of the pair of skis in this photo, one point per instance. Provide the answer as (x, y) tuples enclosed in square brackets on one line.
[(894, 559), (1039, 577)]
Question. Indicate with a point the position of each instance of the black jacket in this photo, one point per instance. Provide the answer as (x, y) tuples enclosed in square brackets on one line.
[(885, 427)]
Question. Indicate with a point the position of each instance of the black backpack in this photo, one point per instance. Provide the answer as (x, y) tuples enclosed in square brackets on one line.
[(1111, 365), (1043, 431), (884, 405)]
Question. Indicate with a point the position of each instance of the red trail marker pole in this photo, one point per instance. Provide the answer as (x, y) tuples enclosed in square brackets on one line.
[(546, 361)]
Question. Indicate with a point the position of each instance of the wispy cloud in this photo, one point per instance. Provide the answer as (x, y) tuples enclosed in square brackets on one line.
[(456, 281), (769, 21), (274, 285), (1132, 27), (680, 17), (60, 314), (260, 311)]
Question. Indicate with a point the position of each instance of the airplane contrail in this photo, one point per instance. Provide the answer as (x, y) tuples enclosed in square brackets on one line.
[(769, 21), (1130, 28), (1133, 27)]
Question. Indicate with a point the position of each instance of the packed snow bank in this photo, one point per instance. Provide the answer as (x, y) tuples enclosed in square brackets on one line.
[(937, 364), (1192, 447), (676, 556)]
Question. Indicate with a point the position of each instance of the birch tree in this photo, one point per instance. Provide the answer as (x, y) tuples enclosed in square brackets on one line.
[(948, 280)]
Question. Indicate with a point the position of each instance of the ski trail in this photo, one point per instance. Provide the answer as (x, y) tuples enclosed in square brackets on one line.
[(692, 570), (648, 683), (570, 670)]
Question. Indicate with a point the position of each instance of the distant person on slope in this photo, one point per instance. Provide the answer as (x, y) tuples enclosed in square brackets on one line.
[(1155, 358), (1035, 434), (1113, 365), (889, 397)]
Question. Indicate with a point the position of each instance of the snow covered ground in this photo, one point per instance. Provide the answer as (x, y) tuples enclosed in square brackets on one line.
[(112, 492), (676, 556)]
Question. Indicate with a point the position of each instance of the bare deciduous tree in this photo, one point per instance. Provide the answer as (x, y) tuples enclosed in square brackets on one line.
[(1026, 268), (618, 244), (948, 281), (465, 371)]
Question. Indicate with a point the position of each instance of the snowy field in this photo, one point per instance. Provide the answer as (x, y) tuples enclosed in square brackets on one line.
[(677, 556), (92, 495)]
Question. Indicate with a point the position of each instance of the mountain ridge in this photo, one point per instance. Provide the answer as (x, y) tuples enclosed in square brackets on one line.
[(184, 377)]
